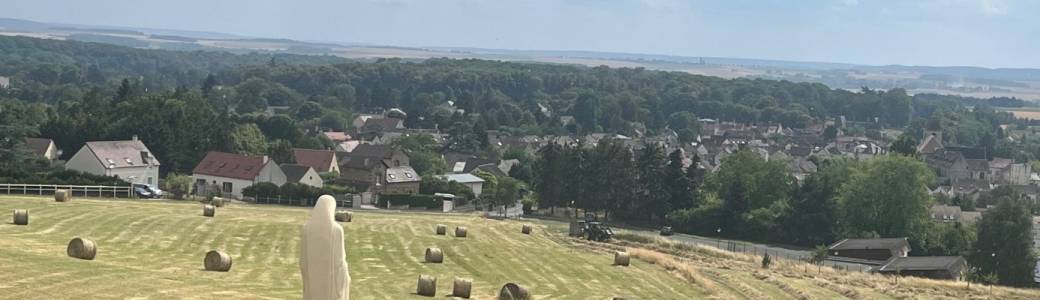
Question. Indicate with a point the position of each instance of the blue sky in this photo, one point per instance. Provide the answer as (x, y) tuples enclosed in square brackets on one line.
[(992, 33)]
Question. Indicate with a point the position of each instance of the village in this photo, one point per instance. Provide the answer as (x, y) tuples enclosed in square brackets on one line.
[(368, 160)]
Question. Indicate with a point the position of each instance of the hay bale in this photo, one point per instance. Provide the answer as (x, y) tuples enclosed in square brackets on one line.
[(344, 216), (82, 248), (461, 288), (526, 229), (62, 196), (218, 202), (512, 291), (621, 258), (217, 261), (442, 229), (21, 217), (427, 286), (434, 255), (208, 211), (460, 231)]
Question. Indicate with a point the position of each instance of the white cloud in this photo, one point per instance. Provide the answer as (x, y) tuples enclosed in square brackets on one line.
[(994, 7)]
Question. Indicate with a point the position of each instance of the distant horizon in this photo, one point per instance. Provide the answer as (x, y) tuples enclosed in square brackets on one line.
[(993, 34)]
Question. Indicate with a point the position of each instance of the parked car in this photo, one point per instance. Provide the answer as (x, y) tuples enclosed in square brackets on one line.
[(154, 191), (667, 230), (143, 192)]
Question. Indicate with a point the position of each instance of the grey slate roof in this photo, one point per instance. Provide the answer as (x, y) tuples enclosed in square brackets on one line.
[(401, 174), (922, 263), (885, 243), (122, 154), (294, 172)]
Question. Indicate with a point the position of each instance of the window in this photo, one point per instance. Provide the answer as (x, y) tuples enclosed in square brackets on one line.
[(391, 176), (200, 182), (227, 187), (149, 181), (397, 163)]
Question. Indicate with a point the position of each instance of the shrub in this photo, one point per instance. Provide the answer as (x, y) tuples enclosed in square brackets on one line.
[(265, 189), (766, 261), (418, 200), (178, 185)]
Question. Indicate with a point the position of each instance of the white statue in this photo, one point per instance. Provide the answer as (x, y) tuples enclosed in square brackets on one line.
[(323, 260)]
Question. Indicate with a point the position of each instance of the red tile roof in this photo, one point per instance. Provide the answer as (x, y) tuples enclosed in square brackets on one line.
[(229, 165), (320, 160)]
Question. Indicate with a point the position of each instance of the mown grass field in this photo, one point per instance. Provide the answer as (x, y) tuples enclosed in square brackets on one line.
[(154, 250)]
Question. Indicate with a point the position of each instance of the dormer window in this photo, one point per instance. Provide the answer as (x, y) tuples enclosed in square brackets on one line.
[(128, 161), (391, 176), (409, 175)]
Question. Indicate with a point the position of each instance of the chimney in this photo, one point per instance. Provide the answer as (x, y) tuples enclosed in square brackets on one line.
[(264, 162), (134, 138)]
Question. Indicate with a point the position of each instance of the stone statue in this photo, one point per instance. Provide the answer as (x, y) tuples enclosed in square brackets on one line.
[(323, 259)]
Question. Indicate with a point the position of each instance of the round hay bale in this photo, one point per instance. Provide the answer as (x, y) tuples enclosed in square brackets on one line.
[(460, 231), (461, 288), (21, 217), (442, 229), (62, 196), (208, 211), (218, 202), (344, 216), (82, 248), (217, 261), (434, 255), (512, 291), (526, 229), (427, 286), (621, 258)]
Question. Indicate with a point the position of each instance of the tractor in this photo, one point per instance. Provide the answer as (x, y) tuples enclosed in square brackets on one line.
[(594, 230)]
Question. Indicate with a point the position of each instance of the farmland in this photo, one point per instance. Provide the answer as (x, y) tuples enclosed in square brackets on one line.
[(154, 250)]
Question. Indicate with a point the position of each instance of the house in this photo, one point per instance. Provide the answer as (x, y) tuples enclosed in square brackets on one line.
[(378, 169), (323, 161), (401, 180), (336, 136), (376, 126), (931, 143), (302, 174), (43, 147), (128, 160), (233, 172), (869, 251), (948, 165), (474, 183), (935, 267), (953, 214), (360, 120), (978, 169)]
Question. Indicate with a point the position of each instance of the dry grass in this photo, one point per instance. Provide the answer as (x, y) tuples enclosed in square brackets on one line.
[(709, 268)]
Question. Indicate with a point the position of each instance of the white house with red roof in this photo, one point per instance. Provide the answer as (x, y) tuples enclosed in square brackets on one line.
[(128, 160), (233, 172)]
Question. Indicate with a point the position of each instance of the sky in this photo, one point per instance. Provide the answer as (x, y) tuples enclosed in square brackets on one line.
[(988, 33)]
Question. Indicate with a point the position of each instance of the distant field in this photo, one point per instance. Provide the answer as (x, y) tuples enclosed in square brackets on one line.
[(1031, 113), (154, 250)]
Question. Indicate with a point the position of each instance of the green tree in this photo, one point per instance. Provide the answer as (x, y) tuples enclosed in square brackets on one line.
[(1005, 243), (755, 194), (814, 207), (905, 144), (889, 198), (248, 140), (178, 185), (650, 173), (281, 151)]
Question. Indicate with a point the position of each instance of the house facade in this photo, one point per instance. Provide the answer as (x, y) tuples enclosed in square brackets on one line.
[(232, 173), (474, 183), (378, 169), (43, 147), (128, 160), (869, 251), (302, 174), (322, 161)]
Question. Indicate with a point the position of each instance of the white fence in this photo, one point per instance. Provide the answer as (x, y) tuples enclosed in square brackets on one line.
[(100, 191)]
